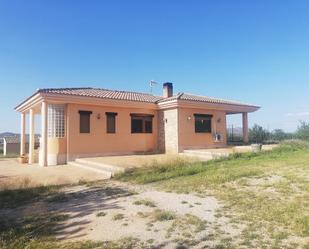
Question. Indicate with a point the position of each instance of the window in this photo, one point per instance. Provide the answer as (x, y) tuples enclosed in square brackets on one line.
[(111, 122), (56, 121), (141, 123), (202, 123), (84, 121)]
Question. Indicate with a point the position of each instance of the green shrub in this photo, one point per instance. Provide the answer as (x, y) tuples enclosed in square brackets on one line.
[(292, 145), (303, 131), (162, 215), (257, 134)]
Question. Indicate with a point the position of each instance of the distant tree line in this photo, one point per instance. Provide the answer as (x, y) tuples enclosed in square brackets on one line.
[(258, 134)]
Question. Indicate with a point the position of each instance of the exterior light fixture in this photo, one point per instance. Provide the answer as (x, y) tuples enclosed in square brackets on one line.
[(98, 116)]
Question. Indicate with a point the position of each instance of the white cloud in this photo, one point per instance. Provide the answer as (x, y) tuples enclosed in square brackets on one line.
[(297, 114)]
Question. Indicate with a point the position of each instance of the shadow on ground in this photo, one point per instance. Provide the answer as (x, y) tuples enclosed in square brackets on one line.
[(58, 214)]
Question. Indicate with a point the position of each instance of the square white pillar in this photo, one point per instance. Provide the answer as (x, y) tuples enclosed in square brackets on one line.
[(245, 127), (31, 136), (22, 133), (43, 145)]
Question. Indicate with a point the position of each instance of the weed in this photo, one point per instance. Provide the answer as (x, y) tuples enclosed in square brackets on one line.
[(101, 214), (118, 216), (145, 202), (163, 215)]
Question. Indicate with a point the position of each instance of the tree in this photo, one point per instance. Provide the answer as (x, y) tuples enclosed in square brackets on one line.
[(279, 135), (257, 134), (303, 131)]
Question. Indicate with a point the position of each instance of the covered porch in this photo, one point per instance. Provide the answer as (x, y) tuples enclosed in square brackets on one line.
[(51, 118), (243, 129)]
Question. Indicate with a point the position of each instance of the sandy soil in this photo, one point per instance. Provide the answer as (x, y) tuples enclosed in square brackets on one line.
[(11, 172), (92, 211)]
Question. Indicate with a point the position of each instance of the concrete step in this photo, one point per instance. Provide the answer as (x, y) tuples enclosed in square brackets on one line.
[(199, 156), (96, 169), (100, 165), (207, 155), (198, 152)]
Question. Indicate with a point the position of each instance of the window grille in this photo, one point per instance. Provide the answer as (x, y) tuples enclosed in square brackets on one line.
[(56, 121)]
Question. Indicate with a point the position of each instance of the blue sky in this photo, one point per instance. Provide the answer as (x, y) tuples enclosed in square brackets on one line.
[(253, 51)]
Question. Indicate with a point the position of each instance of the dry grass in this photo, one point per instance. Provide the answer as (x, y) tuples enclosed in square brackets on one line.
[(274, 210)]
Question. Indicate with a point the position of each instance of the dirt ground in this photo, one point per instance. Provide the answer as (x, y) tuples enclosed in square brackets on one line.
[(12, 171), (113, 211)]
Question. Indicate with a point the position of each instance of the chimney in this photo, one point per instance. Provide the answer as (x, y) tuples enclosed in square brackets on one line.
[(167, 90)]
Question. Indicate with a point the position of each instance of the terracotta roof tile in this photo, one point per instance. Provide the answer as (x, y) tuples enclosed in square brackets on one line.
[(104, 94), (135, 96), (199, 98)]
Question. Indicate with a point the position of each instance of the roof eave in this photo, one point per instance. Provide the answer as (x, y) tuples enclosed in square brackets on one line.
[(75, 99), (28, 103), (228, 107)]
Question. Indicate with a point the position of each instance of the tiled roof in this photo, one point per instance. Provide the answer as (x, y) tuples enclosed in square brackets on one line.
[(104, 94), (198, 98), (134, 96)]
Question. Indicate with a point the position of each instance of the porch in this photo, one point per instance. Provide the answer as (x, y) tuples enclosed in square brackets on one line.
[(51, 129)]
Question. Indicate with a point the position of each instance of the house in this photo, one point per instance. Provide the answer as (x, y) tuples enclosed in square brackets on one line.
[(11, 144), (86, 122)]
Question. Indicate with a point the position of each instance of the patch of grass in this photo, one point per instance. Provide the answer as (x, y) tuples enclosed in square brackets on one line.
[(101, 214), (195, 221), (164, 215), (145, 202), (58, 197), (189, 226), (39, 228), (150, 241), (10, 198), (143, 215), (176, 169), (118, 216), (161, 171), (282, 204)]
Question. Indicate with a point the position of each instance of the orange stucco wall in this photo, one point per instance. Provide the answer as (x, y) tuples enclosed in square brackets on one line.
[(98, 141), (188, 139)]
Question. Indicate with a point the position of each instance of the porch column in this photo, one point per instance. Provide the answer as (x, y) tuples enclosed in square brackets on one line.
[(22, 133), (44, 134), (31, 136), (245, 129)]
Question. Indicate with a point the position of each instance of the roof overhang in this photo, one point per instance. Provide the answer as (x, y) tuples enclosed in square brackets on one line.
[(228, 108), (36, 99), (30, 102)]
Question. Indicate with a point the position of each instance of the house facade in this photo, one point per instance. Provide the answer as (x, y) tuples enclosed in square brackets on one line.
[(87, 122)]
